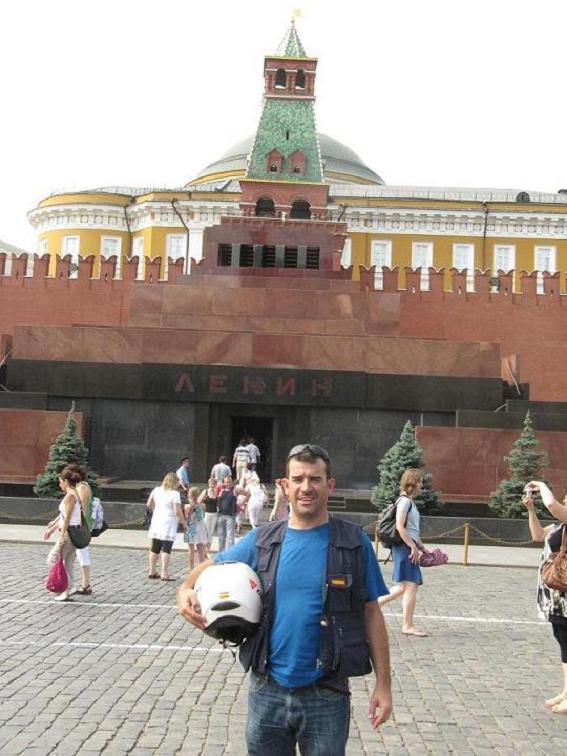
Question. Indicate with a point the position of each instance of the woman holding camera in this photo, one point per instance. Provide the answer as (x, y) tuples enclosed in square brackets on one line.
[(552, 604)]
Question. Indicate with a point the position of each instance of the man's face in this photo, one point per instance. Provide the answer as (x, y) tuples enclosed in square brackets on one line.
[(185, 463), (308, 489)]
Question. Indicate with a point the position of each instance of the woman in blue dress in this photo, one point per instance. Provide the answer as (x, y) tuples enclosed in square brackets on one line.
[(406, 573)]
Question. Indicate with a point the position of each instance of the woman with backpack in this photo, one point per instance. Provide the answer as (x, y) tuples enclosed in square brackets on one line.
[(406, 573)]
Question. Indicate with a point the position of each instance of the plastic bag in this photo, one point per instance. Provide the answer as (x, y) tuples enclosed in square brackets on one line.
[(432, 558), (57, 580)]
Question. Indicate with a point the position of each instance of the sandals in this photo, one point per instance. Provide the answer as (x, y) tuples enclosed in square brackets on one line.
[(153, 576), (167, 579), (86, 591)]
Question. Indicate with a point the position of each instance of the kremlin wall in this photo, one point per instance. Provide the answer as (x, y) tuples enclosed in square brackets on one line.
[(288, 293)]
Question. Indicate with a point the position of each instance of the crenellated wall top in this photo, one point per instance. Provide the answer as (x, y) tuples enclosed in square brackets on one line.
[(431, 283)]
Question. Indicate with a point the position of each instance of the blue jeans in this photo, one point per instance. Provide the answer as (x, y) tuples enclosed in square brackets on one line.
[(315, 718), (225, 531)]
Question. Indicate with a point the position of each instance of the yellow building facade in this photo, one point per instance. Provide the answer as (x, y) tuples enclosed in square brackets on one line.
[(394, 226)]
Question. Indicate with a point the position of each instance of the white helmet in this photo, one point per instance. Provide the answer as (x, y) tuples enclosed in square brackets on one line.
[(231, 601)]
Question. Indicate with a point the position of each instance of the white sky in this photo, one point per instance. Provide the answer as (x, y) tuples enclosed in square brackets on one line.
[(140, 93)]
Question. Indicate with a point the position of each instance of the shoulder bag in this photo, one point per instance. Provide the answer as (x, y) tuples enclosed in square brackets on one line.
[(554, 569), (80, 535)]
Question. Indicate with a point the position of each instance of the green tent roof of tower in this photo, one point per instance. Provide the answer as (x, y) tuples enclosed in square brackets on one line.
[(290, 46)]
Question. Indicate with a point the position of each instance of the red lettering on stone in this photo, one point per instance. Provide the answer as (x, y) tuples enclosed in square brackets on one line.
[(217, 384), (253, 385), (285, 386), (321, 387), (184, 383)]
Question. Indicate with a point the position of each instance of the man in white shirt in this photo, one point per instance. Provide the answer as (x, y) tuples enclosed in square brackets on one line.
[(241, 458), (254, 453)]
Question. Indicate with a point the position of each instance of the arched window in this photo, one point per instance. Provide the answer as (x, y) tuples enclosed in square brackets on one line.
[(274, 161), (301, 210), (300, 79), (281, 78), (265, 207), (297, 163)]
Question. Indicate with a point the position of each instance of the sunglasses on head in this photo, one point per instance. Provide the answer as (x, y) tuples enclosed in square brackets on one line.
[(316, 451)]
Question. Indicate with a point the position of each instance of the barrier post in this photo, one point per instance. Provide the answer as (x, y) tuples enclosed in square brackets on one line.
[(376, 541), (466, 544)]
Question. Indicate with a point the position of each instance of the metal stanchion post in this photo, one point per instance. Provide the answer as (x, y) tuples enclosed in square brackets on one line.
[(466, 544), (376, 540)]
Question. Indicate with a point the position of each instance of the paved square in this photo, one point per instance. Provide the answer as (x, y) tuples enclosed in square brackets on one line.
[(120, 672)]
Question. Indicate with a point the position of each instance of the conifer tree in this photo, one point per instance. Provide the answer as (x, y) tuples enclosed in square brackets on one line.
[(525, 462), (403, 454), (68, 448)]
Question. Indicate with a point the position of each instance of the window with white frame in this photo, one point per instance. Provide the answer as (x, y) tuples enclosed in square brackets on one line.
[(380, 255), (111, 246), (346, 257), (175, 246), (422, 257), (463, 259), (70, 246), (504, 257), (545, 260), (138, 251)]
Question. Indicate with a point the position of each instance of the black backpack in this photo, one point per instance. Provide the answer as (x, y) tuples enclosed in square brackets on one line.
[(387, 531)]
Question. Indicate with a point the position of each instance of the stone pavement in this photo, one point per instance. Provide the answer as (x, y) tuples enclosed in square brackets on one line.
[(120, 672)]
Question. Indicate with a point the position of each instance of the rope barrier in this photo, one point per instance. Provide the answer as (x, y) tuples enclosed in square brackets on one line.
[(466, 527), (449, 533)]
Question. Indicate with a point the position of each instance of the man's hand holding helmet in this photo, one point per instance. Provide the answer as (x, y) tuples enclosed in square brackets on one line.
[(187, 602)]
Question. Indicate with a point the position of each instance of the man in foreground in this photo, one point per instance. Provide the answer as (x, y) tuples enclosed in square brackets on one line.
[(322, 623)]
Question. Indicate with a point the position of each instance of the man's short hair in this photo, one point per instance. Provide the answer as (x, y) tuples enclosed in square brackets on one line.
[(309, 453), (184, 459), (223, 460)]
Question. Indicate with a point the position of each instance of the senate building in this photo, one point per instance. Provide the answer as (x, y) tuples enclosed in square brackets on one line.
[(289, 293), (394, 226)]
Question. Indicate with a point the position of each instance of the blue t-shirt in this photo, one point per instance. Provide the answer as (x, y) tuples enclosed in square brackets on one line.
[(295, 632)]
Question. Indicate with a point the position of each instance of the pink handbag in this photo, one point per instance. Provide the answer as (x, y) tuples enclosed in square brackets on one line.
[(57, 580), (432, 558)]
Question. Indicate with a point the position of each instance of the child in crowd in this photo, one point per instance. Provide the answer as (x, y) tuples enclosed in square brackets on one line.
[(196, 534)]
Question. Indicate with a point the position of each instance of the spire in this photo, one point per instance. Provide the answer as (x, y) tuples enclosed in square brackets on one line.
[(290, 46)]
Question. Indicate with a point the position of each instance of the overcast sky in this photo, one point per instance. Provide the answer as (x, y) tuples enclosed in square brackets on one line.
[(140, 93)]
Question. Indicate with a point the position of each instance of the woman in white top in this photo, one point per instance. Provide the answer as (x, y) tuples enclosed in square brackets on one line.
[(165, 504), (257, 499), (69, 517)]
